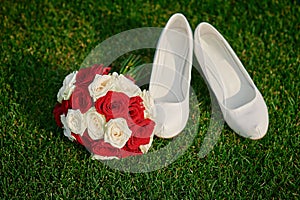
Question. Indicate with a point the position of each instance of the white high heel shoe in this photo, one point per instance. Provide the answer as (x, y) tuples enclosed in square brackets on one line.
[(171, 75), (242, 104)]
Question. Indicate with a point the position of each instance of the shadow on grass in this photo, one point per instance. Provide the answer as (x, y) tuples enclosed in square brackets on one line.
[(37, 82)]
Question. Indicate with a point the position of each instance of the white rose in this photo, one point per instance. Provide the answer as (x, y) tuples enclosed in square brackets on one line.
[(125, 85), (67, 131), (95, 124), (148, 102), (100, 85), (76, 121), (117, 132), (68, 87)]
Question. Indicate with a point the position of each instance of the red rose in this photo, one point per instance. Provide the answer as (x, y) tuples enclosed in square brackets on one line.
[(59, 109), (106, 70), (57, 112), (113, 105), (142, 128), (125, 152), (84, 140), (136, 108), (86, 75), (104, 149), (141, 132), (81, 99), (134, 143), (78, 138)]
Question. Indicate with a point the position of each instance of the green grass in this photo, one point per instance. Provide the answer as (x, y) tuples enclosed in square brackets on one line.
[(41, 42)]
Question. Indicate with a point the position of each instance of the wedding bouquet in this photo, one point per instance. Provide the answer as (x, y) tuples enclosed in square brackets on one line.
[(105, 112)]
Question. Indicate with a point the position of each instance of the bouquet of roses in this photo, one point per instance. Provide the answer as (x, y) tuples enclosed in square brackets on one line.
[(107, 113)]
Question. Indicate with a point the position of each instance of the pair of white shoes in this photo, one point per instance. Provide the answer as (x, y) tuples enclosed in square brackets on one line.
[(241, 103)]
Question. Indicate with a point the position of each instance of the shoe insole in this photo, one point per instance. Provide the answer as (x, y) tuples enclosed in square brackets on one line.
[(170, 79), (225, 77)]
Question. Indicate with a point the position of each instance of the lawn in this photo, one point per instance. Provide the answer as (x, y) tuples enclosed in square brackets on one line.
[(42, 41)]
